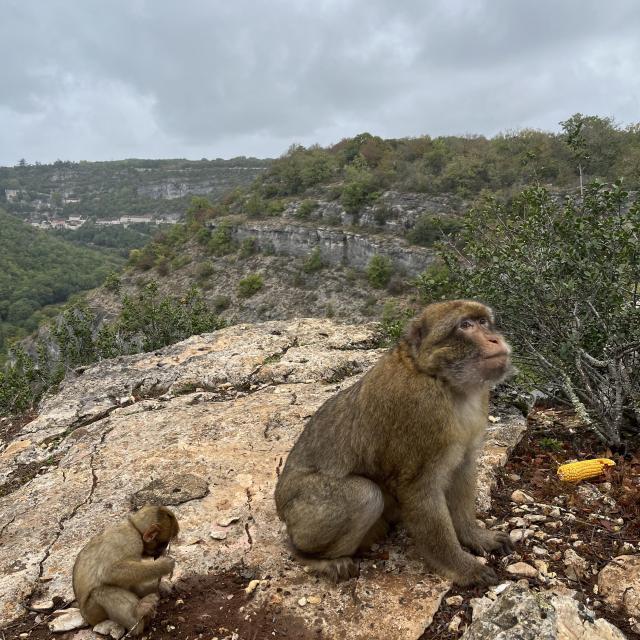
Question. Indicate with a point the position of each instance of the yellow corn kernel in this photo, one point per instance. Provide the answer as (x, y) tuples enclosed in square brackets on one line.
[(576, 471)]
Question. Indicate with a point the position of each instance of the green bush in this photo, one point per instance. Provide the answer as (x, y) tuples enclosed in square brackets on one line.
[(112, 283), (313, 262), (428, 229), (565, 281), (221, 242), (248, 247), (145, 323), (305, 209), (250, 285), (379, 271)]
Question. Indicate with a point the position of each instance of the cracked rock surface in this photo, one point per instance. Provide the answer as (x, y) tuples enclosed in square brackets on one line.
[(205, 426)]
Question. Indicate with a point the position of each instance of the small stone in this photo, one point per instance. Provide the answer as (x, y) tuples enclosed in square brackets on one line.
[(518, 522), (454, 625), (541, 566), (535, 518), (218, 535), (67, 622), (514, 477), (227, 520), (520, 534), (539, 551), (521, 497), (575, 565), (42, 605), (110, 628), (522, 569), (556, 524), (501, 587), (314, 599), (540, 535), (302, 602), (454, 601)]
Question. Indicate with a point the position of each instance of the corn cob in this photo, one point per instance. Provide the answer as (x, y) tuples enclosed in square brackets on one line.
[(576, 471)]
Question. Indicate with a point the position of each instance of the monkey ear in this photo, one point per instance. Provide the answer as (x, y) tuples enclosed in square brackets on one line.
[(151, 532), (415, 334)]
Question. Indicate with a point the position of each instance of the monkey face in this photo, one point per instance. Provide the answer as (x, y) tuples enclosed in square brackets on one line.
[(457, 341), (488, 350)]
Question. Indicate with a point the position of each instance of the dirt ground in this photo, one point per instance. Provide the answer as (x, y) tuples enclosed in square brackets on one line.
[(553, 437), (206, 607)]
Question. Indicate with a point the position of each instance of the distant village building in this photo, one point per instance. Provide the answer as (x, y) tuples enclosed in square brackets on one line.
[(106, 223), (11, 194), (136, 219)]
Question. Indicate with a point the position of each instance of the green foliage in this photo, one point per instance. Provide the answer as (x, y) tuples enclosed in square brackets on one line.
[(221, 242), (250, 285), (313, 262), (248, 247), (394, 322), (255, 207), (379, 271), (37, 269), (305, 209), (428, 229), (550, 444), (565, 280), (146, 322), (360, 186)]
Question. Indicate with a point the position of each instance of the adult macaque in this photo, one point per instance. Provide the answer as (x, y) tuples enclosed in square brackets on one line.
[(401, 443), (117, 573)]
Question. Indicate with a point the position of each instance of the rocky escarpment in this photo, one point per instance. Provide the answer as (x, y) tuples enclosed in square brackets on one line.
[(394, 211), (205, 426), (337, 247)]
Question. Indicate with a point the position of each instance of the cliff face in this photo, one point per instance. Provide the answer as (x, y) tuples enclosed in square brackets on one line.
[(337, 247), (205, 426)]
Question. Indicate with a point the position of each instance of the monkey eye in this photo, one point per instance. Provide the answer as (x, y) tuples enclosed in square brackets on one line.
[(483, 321), (466, 324)]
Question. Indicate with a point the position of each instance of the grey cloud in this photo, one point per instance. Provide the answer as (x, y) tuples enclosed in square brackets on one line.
[(96, 79)]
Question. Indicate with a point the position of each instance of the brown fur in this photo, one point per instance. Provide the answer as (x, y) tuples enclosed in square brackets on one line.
[(402, 443), (114, 576)]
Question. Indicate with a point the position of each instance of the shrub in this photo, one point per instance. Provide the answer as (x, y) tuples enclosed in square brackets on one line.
[(394, 321), (305, 209), (112, 283), (379, 271), (428, 229), (565, 279), (313, 262), (221, 242), (204, 271), (220, 303), (250, 285), (247, 247), (145, 323)]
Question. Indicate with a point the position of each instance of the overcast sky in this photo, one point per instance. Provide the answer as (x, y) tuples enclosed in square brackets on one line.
[(110, 79)]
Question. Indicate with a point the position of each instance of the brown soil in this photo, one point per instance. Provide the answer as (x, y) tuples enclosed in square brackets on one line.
[(199, 608)]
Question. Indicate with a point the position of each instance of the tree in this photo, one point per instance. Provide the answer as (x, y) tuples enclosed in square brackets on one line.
[(565, 280)]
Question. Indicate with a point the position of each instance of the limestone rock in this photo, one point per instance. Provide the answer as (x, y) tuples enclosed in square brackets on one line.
[(110, 628), (68, 621), (220, 412), (174, 489), (522, 569), (576, 566), (619, 584), (522, 614)]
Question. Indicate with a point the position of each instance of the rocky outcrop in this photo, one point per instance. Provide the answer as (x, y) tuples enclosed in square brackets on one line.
[(337, 247), (519, 613), (205, 426), (619, 586), (393, 211)]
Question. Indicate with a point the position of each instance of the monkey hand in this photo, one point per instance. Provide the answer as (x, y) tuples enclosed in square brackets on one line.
[(482, 542), (165, 565)]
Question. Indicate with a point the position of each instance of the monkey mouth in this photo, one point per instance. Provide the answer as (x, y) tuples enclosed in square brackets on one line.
[(493, 356)]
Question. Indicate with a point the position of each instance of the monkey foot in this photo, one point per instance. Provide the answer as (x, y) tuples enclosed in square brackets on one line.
[(336, 569)]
